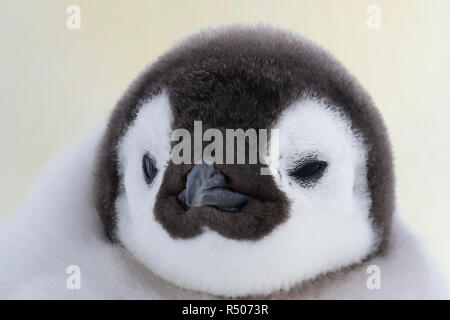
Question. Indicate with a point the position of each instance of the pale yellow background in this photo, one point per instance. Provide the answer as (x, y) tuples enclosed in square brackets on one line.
[(56, 83)]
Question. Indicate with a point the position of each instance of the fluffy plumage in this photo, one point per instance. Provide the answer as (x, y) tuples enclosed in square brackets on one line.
[(245, 78), (40, 241)]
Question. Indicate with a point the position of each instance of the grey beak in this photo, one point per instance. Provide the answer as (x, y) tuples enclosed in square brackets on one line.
[(205, 186)]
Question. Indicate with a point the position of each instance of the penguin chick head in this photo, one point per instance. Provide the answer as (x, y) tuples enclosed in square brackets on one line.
[(321, 203)]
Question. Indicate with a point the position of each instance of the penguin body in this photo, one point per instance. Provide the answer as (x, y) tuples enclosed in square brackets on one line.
[(317, 227)]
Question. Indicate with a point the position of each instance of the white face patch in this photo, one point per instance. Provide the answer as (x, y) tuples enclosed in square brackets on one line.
[(328, 225)]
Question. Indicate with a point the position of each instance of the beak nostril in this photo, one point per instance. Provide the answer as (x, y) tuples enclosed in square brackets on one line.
[(206, 186)]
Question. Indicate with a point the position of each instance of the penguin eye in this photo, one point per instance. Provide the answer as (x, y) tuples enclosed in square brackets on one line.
[(308, 172), (149, 167)]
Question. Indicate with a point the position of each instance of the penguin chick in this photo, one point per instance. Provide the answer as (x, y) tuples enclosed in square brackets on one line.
[(132, 223)]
